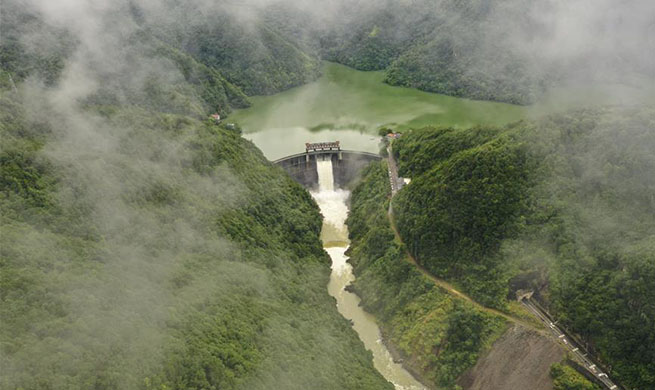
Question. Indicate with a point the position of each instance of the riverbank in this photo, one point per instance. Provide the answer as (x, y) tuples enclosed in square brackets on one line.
[(333, 205), (439, 336)]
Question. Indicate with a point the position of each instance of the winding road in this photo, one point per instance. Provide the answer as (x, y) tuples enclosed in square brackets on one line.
[(576, 351), (393, 172)]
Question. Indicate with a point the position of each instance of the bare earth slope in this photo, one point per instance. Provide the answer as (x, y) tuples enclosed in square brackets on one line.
[(519, 360)]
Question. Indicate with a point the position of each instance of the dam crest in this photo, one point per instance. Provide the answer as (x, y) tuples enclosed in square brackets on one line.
[(346, 164)]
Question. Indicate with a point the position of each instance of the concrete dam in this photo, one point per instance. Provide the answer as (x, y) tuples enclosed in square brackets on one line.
[(346, 164)]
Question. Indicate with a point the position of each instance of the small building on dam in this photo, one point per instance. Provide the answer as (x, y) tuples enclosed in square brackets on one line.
[(346, 164)]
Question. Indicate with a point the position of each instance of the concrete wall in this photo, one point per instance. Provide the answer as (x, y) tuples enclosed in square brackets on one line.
[(301, 168), (346, 166)]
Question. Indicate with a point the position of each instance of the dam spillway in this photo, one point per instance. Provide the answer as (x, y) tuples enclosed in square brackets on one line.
[(346, 165)]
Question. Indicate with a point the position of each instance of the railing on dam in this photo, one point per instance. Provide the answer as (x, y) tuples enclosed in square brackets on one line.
[(346, 164), (371, 156)]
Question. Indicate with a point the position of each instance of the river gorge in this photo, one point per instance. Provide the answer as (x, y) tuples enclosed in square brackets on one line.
[(333, 204), (350, 106)]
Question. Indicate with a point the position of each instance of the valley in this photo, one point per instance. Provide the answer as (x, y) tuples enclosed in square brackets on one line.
[(176, 214)]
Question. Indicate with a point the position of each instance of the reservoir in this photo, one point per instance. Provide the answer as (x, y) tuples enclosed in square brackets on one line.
[(350, 106)]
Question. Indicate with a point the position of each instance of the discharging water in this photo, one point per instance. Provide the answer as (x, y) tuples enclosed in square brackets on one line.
[(335, 241)]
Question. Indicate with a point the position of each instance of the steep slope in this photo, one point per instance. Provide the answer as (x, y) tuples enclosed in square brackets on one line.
[(447, 340), (146, 72), (504, 50), (221, 56), (371, 36), (560, 206), (141, 245), (472, 53), (439, 335), (146, 250), (450, 47), (240, 43), (520, 359), (463, 206)]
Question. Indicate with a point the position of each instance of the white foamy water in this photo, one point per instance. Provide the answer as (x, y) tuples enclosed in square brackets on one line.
[(335, 241), (325, 173)]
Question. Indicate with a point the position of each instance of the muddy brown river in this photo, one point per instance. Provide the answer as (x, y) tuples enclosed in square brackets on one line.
[(333, 204)]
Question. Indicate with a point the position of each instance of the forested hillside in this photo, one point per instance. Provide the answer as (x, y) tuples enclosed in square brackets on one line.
[(148, 72), (252, 51), (143, 246), (221, 56), (172, 256), (453, 47), (457, 48), (438, 335), (504, 50), (468, 193), (562, 205)]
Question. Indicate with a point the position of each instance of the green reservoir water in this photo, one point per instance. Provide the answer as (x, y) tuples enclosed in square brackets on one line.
[(350, 105)]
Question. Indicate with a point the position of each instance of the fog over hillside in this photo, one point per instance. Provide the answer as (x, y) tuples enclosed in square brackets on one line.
[(134, 230), (554, 41)]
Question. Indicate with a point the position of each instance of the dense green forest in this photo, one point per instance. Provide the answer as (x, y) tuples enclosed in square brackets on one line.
[(504, 50), (263, 50), (152, 74), (455, 48), (562, 205), (472, 190), (218, 59), (143, 246), (176, 257), (257, 55), (439, 336), (452, 47)]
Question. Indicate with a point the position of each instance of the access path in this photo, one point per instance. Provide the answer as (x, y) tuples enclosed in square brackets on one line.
[(393, 172), (451, 289), (577, 352)]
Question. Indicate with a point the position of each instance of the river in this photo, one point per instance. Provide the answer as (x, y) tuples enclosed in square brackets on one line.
[(350, 106), (333, 204)]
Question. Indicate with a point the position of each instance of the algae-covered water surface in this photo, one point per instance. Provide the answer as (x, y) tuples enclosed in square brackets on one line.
[(349, 105)]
